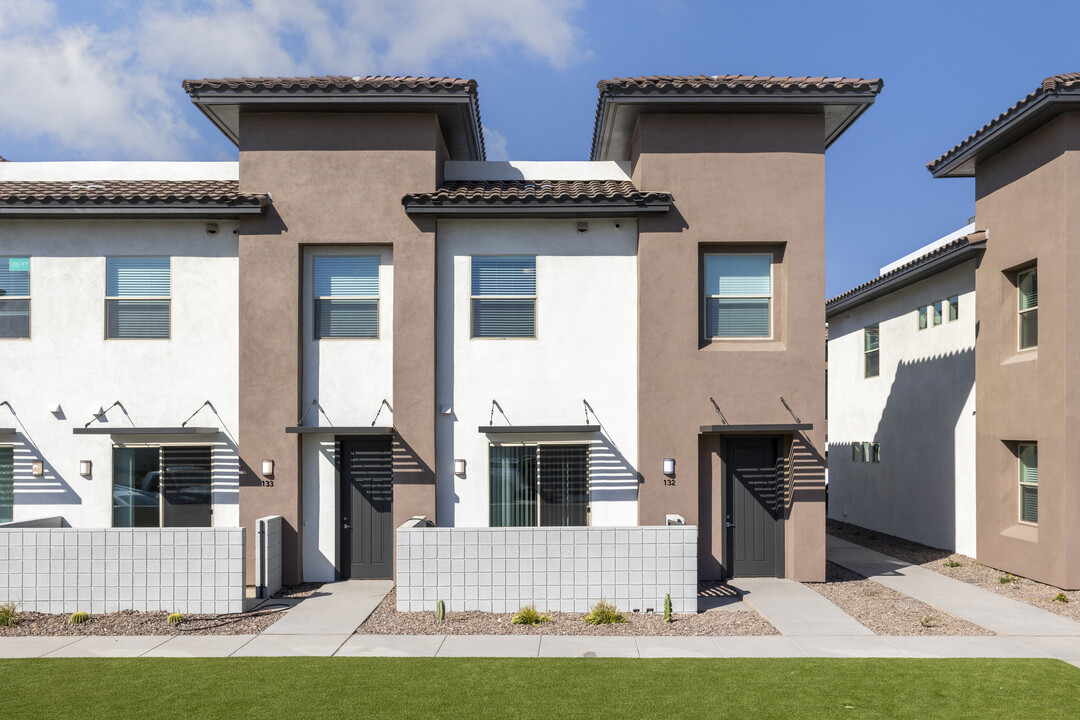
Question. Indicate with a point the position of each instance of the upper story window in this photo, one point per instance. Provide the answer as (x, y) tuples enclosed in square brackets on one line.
[(14, 297), (954, 308), (137, 297), (1028, 455), (503, 296), (871, 340), (738, 296), (922, 317), (346, 294), (937, 312), (1027, 284)]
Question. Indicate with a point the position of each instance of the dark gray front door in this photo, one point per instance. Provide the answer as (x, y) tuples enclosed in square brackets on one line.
[(754, 505), (367, 523)]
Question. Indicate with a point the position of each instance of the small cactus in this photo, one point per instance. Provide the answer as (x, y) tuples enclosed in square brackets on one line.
[(79, 618), (440, 611), (175, 618), (667, 608)]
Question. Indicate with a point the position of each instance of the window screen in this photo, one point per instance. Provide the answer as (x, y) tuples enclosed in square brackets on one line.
[(137, 293), (14, 297), (738, 296), (503, 297), (346, 293)]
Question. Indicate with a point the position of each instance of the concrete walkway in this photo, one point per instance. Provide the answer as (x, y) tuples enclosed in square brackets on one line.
[(796, 610), (994, 612)]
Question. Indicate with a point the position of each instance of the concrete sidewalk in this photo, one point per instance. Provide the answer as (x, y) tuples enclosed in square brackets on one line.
[(775, 646), (994, 612), (796, 610)]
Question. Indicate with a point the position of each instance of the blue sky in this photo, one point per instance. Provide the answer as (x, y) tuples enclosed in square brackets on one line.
[(101, 80)]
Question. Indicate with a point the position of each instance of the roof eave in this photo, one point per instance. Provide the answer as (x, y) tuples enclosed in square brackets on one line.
[(919, 271), (1033, 114), (537, 211), (858, 102), (222, 108), (111, 212)]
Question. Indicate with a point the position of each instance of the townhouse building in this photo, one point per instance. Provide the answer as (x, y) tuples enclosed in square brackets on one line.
[(1014, 348), (363, 321)]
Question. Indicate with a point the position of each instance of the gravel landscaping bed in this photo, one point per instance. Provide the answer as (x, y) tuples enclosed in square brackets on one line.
[(963, 568), (886, 611), (386, 620), (130, 622)]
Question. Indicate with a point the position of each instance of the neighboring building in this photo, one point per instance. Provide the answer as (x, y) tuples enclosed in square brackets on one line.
[(387, 326), (902, 397), (1026, 165)]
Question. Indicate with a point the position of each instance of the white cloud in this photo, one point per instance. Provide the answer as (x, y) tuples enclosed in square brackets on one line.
[(495, 144), (111, 91)]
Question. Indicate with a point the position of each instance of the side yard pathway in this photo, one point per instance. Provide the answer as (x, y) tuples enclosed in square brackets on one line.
[(999, 614), (796, 610)]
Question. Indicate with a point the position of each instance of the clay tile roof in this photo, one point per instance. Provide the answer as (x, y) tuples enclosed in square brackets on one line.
[(1054, 83), (125, 194), (972, 240), (739, 83), (570, 194), (332, 82)]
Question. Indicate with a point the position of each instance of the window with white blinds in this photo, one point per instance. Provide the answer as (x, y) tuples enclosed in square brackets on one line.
[(1028, 290), (14, 297), (738, 296), (346, 294), (1029, 482), (503, 296), (137, 297)]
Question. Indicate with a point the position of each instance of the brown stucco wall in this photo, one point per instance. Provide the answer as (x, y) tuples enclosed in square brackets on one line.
[(335, 178), (736, 180), (1023, 197)]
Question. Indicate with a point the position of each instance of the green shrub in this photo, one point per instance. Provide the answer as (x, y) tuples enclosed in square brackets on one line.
[(604, 613), (79, 618), (529, 615), (175, 618), (440, 611), (9, 616), (667, 608), (1061, 597), (1006, 579), (953, 563), (928, 621)]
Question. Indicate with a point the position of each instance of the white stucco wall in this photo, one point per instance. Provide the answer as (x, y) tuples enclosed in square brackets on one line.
[(585, 349), (921, 408), (67, 361), (123, 170), (350, 378)]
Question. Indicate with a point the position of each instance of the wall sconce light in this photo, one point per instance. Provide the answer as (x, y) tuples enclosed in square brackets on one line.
[(669, 466), (459, 467), (268, 468), (37, 468), (86, 468)]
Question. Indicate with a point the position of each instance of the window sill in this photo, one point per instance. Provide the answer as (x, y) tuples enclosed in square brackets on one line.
[(742, 345), (1020, 531), (1022, 356)]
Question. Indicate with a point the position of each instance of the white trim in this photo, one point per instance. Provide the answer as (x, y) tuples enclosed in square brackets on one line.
[(772, 293)]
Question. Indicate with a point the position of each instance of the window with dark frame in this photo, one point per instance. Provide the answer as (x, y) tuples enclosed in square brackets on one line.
[(541, 485), (162, 486), (503, 296), (14, 298), (7, 483)]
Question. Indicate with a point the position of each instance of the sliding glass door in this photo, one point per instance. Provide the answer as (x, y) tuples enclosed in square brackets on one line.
[(545, 485)]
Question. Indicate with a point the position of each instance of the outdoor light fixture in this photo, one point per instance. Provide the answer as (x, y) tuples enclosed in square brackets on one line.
[(459, 467), (669, 466), (37, 468), (268, 468), (86, 468)]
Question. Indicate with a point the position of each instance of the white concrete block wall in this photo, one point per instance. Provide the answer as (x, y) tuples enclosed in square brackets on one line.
[(268, 555), (183, 570), (555, 569)]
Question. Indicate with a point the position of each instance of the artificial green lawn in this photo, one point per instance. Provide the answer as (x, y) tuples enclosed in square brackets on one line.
[(537, 688)]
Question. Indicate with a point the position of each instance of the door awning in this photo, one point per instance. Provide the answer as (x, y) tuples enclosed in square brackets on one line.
[(340, 430), (537, 429), (146, 431), (763, 428), (7, 431)]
